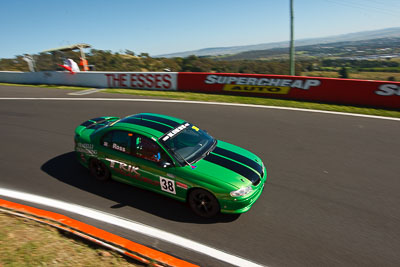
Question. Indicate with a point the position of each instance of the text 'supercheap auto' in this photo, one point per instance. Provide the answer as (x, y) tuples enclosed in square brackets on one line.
[(172, 157)]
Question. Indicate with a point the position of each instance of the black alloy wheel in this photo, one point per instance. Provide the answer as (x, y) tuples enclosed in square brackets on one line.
[(203, 203), (99, 170)]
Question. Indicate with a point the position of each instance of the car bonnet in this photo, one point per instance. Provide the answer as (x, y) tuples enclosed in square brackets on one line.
[(231, 164)]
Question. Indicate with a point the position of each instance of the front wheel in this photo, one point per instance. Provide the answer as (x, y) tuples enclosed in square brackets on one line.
[(99, 170), (203, 203)]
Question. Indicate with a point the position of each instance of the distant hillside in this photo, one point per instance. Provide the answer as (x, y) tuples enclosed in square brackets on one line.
[(364, 49), (358, 36)]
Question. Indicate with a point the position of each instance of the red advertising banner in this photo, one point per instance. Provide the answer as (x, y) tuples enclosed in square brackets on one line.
[(329, 90)]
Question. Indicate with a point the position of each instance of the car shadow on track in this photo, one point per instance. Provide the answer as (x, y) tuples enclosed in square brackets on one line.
[(67, 169)]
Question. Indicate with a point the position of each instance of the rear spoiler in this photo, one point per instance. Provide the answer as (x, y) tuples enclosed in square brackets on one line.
[(95, 123)]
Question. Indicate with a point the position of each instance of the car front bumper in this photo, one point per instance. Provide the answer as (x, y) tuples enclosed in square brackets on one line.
[(243, 204)]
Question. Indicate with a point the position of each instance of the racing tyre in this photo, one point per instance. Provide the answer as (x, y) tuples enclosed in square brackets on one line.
[(99, 170), (203, 203)]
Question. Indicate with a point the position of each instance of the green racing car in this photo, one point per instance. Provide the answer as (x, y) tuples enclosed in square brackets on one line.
[(172, 157)]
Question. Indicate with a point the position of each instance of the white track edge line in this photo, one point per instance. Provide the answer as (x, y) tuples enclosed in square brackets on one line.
[(86, 92), (201, 102), (131, 225)]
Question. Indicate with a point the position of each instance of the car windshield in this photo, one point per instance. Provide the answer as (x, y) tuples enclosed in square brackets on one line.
[(188, 143)]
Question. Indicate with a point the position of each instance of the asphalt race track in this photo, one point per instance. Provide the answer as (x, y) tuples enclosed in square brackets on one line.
[(332, 197)]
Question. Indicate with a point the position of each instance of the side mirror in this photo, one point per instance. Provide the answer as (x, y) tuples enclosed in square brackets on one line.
[(165, 164)]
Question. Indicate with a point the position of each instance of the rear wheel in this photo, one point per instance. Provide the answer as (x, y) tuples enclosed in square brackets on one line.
[(203, 203), (99, 170)]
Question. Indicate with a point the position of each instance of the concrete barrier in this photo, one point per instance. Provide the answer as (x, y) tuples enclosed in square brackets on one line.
[(327, 90), (137, 80), (381, 94)]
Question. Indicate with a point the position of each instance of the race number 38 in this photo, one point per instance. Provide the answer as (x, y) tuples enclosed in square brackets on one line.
[(167, 185)]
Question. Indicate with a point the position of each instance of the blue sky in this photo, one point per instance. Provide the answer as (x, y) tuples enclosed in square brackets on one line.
[(167, 26)]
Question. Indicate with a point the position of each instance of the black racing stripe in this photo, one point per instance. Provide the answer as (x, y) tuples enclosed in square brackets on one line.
[(233, 166), (169, 122), (242, 159), (150, 124)]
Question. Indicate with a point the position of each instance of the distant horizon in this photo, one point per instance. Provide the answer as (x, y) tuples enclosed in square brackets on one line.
[(281, 42), (222, 47), (165, 27)]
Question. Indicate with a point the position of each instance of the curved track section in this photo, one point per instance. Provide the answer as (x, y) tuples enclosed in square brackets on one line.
[(331, 199)]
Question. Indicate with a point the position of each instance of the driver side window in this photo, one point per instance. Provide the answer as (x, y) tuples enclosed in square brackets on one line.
[(147, 149)]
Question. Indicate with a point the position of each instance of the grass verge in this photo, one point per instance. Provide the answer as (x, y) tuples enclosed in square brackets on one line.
[(25, 242), (362, 75), (239, 100), (258, 101)]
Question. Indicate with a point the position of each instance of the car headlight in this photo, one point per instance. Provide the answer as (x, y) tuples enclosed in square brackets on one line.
[(242, 191), (263, 170)]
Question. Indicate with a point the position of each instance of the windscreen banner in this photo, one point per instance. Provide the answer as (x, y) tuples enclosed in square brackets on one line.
[(328, 90)]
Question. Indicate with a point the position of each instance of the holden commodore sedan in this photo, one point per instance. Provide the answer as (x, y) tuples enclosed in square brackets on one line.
[(172, 157)]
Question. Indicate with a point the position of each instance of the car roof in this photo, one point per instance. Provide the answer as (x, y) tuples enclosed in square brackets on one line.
[(153, 124)]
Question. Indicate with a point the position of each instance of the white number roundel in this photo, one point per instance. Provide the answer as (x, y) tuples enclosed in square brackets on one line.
[(167, 185)]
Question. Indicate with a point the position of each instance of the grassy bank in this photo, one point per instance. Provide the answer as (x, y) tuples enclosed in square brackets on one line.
[(25, 242), (257, 101), (362, 75), (240, 100)]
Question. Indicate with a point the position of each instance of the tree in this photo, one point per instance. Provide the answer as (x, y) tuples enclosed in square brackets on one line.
[(145, 55), (129, 52), (343, 73)]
